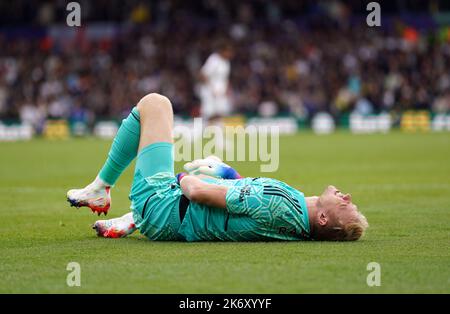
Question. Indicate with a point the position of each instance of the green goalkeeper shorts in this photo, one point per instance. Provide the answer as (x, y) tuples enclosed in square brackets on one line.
[(155, 193)]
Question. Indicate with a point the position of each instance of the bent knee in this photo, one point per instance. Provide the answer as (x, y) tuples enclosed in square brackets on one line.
[(154, 101)]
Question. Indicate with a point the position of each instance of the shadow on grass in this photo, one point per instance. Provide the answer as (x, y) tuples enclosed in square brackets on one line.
[(140, 239)]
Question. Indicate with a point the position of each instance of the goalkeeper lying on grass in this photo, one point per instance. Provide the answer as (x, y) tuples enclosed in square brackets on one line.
[(198, 207)]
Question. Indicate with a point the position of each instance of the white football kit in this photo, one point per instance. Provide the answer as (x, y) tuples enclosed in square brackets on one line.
[(213, 93)]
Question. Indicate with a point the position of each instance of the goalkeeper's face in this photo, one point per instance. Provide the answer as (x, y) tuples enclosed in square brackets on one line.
[(338, 206), (332, 198), (338, 217)]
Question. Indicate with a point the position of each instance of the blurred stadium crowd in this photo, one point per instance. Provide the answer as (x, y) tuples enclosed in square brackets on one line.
[(291, 57)]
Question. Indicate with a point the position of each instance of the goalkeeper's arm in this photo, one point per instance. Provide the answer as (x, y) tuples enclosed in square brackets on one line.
[(200, 192)]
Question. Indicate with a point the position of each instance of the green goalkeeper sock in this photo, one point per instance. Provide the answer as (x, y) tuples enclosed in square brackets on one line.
[(123, 149)]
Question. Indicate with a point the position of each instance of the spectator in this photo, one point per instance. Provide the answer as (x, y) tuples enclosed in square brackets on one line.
[(301, 67)]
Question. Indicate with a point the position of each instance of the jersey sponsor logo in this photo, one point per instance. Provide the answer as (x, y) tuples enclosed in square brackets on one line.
[(276, 191), (245, 191)]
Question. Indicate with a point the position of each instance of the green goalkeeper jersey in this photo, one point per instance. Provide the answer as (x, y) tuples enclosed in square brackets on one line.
[(258, 209)]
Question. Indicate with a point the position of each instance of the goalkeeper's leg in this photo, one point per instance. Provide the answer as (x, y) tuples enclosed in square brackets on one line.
[(115, 228), (122, 152), (149, 122)]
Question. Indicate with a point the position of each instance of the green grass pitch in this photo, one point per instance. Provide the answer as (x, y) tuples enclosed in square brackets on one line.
[(400, 181)]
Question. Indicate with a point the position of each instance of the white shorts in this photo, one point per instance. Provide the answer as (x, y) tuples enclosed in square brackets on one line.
[(214, 105)]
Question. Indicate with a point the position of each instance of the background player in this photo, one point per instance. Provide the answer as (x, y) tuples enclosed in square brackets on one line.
[(215, 86), (214, 89)]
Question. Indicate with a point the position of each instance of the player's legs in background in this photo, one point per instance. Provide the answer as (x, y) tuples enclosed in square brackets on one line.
[(216, 111), (207, 104), (206, 111), (223, 106)]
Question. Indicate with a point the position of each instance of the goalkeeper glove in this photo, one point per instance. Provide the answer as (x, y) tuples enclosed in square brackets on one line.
[(212, 166)]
